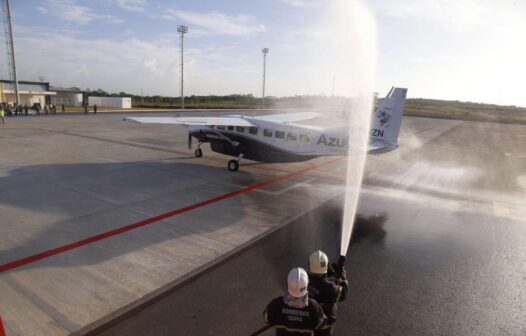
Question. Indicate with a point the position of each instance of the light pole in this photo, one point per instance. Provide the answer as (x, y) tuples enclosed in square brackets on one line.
[(183, 30), (265, 52)]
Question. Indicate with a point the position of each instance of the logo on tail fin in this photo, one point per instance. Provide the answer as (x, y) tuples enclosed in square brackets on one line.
[(383, 117)]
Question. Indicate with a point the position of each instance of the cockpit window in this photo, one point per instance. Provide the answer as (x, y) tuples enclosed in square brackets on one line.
[(240, 129), (230, 128), (253, 130)]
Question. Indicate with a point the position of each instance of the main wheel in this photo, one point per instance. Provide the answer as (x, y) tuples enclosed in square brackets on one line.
[(233, 165), (198, 152)]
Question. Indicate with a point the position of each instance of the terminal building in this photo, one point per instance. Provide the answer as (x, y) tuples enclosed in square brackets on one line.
[(39, 92), (42, 93)]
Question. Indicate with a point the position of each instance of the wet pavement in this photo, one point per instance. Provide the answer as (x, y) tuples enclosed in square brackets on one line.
[(438, 248)]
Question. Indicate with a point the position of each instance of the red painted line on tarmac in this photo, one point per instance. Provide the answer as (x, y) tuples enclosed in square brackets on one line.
[(64, 248), (2, 330)]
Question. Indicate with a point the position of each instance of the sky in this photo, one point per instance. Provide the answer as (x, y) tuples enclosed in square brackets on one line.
[(468, 50)]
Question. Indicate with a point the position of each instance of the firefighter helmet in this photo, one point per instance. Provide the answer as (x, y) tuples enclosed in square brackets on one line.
[(318, 262), (297, 282)]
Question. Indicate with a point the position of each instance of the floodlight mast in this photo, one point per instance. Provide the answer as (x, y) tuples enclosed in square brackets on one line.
[(265, 52), (183, 30)]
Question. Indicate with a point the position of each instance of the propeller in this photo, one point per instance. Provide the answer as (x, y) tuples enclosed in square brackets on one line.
[(189, 141)]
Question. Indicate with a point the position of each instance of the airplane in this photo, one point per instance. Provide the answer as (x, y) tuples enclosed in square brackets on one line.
[(279, 138)]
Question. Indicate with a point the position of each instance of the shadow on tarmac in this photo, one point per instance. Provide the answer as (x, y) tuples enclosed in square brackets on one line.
[(369, 228), (106, 196)]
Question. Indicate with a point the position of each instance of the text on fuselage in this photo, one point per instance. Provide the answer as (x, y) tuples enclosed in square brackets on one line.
[(333, 142)]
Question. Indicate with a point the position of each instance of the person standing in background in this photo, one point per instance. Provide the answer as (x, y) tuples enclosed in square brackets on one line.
[(2, 113)]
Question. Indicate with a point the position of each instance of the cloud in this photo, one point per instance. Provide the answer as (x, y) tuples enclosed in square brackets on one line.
[(132, 5), (217, 23), (457, 16), (302, 3), (43, 10), (131, 64), (71, 12), (111, 18)]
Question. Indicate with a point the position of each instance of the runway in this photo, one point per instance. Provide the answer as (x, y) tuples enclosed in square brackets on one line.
[(439, 246)]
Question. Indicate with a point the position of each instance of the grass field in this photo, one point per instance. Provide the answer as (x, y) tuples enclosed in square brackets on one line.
[(464, 111)]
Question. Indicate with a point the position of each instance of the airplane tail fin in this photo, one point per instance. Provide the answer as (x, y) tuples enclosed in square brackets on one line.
[(387, 120)]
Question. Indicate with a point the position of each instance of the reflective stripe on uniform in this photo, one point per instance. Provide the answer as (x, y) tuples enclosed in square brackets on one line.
[(306, 331), (322, 320)]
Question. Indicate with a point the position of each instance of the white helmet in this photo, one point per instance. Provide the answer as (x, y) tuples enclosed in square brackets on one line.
[(297, 282), (318, 262)]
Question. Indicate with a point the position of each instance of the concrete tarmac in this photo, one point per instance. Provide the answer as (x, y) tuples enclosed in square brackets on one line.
[(438, 248), (444, 209)]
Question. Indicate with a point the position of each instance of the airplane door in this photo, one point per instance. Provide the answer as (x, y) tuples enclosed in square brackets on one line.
[(292, 141)]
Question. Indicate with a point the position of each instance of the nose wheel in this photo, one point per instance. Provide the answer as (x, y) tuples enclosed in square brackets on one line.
[(198, 152), (233, 165)]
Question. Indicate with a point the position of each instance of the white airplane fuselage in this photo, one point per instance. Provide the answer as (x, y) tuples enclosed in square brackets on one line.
[(279, 138), (271, 141)]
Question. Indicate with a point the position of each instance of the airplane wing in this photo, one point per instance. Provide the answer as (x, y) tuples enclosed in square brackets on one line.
[(288, 117), (197, 121)]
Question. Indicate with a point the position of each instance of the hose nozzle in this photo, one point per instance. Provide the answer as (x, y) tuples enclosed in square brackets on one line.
[(337, 268)]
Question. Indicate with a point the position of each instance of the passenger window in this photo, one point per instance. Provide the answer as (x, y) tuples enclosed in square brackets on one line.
[(304, 138), (220, 127), (230, 128), (253, 130), (240, 129), (279, 135), (267, 132), (292, 137)]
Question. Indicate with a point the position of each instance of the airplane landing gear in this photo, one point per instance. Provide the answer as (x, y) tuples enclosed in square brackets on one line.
[(233, 165), (198, 152)]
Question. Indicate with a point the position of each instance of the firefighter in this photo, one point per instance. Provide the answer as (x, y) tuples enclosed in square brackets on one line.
[(295, 313), (327, 289)]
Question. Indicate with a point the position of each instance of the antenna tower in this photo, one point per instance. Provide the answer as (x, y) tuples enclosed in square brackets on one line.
[(10, 48)]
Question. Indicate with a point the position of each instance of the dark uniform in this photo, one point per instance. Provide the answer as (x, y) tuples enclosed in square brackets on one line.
[(327, 293), (290, 321)]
